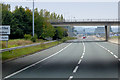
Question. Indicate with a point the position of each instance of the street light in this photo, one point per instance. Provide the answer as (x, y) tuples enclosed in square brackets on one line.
[(33, 18)]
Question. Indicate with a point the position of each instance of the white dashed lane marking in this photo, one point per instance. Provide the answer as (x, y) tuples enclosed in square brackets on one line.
[(76, 68), (74, 71), (70, 77), (79, 61)]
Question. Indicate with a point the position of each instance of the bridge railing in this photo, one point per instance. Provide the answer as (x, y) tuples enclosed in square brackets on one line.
[(85, 20)]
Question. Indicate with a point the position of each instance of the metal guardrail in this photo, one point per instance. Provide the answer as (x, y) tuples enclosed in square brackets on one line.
[(9, 49), (85, 20)]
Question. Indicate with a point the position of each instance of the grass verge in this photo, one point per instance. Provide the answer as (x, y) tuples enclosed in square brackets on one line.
[(13, 54), (25, 51), (19, 42), (115, 37)]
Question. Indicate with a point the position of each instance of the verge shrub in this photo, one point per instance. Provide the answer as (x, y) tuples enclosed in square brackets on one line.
[(27, 36), (34, 38)]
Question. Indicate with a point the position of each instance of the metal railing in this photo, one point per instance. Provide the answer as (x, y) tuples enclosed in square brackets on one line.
[(14, 48), (85, 20)]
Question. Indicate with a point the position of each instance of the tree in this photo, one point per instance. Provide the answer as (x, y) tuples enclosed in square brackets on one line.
[(28, 28), (61, 18), (48, 30), (6, 14), (20, 21), (58, 33), (51, 16), (39, 21), (41, 12), (54, 16), (46, 14)]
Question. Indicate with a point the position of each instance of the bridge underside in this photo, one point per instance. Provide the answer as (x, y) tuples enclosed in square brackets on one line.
[(106, 24)]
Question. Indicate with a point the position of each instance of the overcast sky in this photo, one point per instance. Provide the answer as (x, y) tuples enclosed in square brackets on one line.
[(79, 9)]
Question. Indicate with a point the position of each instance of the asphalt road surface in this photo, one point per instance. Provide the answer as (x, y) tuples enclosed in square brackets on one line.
[(81, 59)]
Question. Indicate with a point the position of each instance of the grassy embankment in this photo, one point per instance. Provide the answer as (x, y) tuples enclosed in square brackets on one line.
[(19, 42), (115, 37), (30, 50)]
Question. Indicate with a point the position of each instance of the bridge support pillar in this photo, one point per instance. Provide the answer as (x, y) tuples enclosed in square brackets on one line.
[(107, 32)]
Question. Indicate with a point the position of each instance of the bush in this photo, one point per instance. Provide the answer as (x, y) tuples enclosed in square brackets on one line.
[(64, 39), (27, 36), (33, 39), (67, 38)]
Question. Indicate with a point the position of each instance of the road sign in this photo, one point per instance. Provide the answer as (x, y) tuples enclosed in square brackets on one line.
[(4, 38), (4, 30)]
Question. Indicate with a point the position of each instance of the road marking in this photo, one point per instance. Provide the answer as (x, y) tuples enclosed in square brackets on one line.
[(112, 53), (70, 77), (79, 61), (82, 57), (83, 54), (109, 51), (36, 62), (84, 50), (76, 68), (74, 71), (115, 56)]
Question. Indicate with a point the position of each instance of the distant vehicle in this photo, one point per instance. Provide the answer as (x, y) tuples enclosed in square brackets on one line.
[(84, 37), (98, 36)]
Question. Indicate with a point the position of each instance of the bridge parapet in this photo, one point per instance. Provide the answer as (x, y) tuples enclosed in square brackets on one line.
[(85, 20)]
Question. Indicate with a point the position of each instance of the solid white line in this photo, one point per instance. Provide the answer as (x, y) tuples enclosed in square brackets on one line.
[(70, 77), (36, 62), (74, 71)]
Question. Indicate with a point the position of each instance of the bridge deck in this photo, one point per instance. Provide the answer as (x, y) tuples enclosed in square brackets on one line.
[(86, 22)]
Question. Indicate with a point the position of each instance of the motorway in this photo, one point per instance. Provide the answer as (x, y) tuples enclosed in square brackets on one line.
[(80, 59)]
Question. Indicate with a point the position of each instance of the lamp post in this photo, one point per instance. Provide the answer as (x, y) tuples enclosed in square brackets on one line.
[(33, 18)]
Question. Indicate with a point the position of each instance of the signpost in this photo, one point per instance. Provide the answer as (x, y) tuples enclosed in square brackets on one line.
[(4, 32), (4, 38)]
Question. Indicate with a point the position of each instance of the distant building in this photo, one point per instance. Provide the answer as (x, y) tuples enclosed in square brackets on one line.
[(100, 31)]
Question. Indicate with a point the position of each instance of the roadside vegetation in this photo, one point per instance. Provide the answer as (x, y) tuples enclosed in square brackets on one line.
[(115, 37), (8, 55), (19, 42), (20, 21), (25, 51)]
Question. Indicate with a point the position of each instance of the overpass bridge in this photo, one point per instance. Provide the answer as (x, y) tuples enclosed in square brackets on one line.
[(88, 22)]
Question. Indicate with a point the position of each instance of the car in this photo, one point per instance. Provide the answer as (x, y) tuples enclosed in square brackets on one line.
[(84, 37)]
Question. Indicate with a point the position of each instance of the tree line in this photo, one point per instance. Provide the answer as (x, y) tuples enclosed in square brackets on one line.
[(20, 21)]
